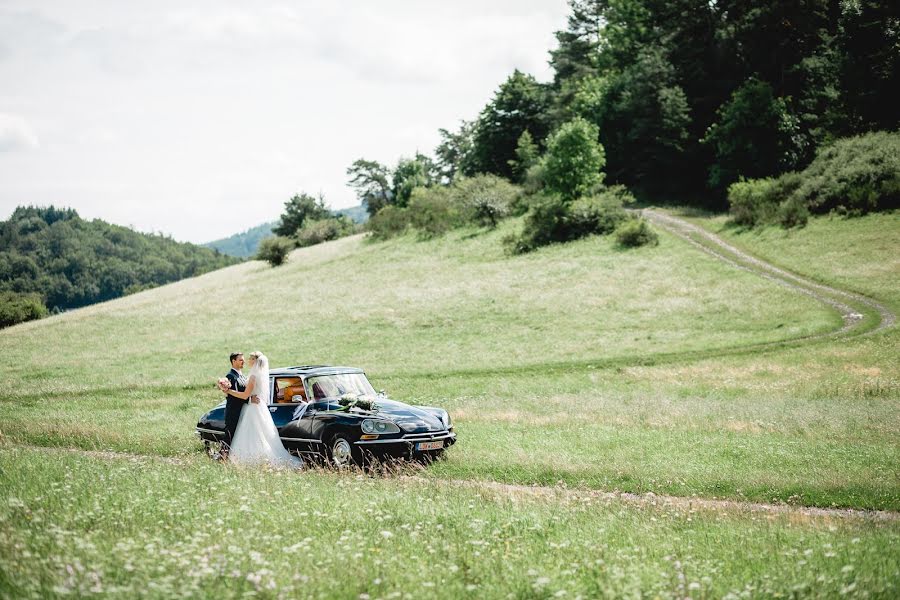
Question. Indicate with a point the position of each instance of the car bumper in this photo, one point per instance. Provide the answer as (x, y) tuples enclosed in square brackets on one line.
[(409, 440)]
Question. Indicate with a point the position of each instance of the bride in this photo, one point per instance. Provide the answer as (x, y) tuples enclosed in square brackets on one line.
[(256, 439)]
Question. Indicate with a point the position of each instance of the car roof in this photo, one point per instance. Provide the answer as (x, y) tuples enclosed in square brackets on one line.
[(307, 370)]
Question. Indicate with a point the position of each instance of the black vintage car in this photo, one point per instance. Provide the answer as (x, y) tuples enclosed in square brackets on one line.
[(334, 413)]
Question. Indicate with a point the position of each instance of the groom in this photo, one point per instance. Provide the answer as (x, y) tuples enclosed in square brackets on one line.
[(234, 405)]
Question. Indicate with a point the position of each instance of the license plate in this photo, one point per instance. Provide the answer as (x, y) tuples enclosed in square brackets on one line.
[(430, 445)]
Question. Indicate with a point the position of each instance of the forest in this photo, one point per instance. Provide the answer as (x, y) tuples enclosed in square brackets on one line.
[(53, 260), (685, 99)]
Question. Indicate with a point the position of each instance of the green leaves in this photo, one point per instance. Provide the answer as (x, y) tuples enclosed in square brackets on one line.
[(574, 160)]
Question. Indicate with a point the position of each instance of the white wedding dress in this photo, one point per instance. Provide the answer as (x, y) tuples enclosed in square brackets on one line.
[(256, 440)]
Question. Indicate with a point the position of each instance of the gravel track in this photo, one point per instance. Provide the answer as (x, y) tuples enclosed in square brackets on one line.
[(835, 298)]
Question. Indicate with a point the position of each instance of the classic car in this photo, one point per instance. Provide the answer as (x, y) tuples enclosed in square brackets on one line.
[(334, 413)]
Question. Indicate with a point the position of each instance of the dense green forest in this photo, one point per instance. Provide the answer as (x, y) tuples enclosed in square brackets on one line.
[(51, 259), (686, 97)]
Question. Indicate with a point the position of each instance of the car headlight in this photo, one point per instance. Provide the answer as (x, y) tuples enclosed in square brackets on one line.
[(445, 419), (373, 426)]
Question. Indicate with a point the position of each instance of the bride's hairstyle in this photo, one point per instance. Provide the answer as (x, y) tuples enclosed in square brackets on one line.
[(260, 358)]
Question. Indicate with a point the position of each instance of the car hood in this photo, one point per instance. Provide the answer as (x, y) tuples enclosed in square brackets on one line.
[(411, 419)]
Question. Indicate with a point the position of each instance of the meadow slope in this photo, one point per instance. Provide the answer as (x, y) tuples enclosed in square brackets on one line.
[(658, 370)]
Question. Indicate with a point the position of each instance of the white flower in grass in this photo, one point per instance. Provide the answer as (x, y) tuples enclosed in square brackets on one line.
[(471, 587), (386, 534)]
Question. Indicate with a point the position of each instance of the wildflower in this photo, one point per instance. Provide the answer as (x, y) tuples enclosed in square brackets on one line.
[(387, 534)]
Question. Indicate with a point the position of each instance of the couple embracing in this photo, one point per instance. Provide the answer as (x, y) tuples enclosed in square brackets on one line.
[(250, 434)]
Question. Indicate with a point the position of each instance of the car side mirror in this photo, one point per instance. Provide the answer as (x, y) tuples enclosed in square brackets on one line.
[(381, 393)]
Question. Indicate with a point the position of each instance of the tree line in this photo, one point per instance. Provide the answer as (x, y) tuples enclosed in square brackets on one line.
[(52, 260), (686, 98)]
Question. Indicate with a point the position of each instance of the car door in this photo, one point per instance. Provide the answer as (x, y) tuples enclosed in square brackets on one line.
[(295, 422)]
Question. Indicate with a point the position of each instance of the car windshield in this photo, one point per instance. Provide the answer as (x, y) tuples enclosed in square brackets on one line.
[(335, 386)]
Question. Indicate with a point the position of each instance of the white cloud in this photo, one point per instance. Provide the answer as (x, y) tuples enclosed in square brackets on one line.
[(203, 109), (16, 134)]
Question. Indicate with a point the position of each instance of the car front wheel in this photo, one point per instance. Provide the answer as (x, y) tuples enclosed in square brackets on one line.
[(342, 451)]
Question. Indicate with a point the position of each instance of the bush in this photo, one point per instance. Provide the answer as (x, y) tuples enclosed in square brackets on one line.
[(433, 211), (636, 232), (554, 220), (792, 213), (753, 201), (545, 224), (601, 213), (18, 308), (388, 222), (274, 250), (485, 199), (854, 176), (316, 231)]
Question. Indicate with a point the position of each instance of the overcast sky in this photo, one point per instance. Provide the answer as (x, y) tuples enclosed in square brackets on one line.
[(200, 119)]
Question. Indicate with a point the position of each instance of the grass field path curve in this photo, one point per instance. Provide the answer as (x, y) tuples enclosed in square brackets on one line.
[(851, 305)]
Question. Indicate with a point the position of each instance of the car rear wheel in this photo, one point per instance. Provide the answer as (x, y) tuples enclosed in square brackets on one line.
[(342, 452), (213, 449)]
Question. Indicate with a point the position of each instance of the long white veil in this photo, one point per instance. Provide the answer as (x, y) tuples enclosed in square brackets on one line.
[(260, 373), (256, 439)]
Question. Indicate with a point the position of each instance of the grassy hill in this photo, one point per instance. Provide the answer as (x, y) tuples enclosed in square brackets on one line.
[(579, 365)]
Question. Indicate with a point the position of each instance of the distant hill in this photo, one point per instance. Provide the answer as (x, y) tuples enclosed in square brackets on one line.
[(55, 258), (244, 245)]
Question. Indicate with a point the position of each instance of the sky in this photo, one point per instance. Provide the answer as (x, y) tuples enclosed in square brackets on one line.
[(201, 119)]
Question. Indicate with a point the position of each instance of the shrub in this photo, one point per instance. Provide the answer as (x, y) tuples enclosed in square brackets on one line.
[(317, 231), (18, 308), (854, 176), (484, 199), (274, 250), (792, 213), (601, 213), (753, 201), (554, 220), (636, 232), (432, 211), (545, 224), (574, 160), (388, 222)]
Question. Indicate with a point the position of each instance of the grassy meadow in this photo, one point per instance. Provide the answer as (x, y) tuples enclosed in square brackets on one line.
[(582, 366)]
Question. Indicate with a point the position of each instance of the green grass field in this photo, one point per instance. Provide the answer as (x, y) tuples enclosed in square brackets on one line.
[(581, 365)]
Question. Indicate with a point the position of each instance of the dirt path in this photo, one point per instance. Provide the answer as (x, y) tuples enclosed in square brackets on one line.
[(543, 492), (841, 300)]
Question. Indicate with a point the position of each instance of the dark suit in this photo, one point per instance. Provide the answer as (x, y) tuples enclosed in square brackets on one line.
[(233, 405)]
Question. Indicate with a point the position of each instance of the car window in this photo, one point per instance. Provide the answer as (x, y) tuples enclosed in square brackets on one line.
[(289, 390)]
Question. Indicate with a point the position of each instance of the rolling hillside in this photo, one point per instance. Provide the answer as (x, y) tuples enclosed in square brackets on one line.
[(582, 367)]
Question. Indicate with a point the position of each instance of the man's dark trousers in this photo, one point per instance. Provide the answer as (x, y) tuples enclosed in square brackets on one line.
[(233, 405)]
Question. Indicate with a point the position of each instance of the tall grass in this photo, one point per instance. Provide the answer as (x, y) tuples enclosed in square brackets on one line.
[(76, 525)]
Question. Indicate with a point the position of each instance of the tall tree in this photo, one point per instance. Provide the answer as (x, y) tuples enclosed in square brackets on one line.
[(371, 180), (411, 173), (574, 160), (454, 152), (520, 103), (297, 210)]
